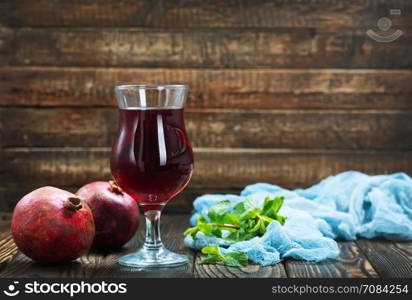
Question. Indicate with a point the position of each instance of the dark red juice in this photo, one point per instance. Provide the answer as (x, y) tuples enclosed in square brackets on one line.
[(152, 159)]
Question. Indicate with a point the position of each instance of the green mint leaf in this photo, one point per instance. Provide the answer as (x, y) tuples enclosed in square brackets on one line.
[(239, 209), (281, 219), (266, 219), (271, 208), (250, 213), (211, 258), (277, 203), (249, 224), (256, 227), (250, 204), (201, 220), (267, 206), (211, 250), (233, 262), (206, 228), (191, 231), (216, 231), (262, 228), (242, 234), (234, 259), (217, 211), (240, 257), (231, 219)]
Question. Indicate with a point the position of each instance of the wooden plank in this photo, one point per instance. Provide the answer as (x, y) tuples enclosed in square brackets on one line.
[(406, 247), (388, 259), (97, 127), (350, 264), (201, 48), (329, 14), (8, 251), (214, 168), (96, 264), (250, 271), (212, 88)]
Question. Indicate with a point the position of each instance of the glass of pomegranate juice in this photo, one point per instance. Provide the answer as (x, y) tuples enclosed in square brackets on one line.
[(152, 160)]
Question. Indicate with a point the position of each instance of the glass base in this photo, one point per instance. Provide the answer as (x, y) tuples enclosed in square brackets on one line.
[(150, 258)]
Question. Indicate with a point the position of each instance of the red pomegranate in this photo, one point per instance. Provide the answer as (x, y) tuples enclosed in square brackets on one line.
[(116, 215), (52, 225)]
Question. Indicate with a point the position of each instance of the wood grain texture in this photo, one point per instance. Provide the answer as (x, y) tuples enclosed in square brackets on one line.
[(406, 247), (96, 264), (8, 249), (356, 130), (203, 48), (327, 14), (250, 271), (212, 88), (214, 168), (388, 259), (350, 264)]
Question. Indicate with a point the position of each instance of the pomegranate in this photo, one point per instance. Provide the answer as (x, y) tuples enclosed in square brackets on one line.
[(51, 225), (116, 214)]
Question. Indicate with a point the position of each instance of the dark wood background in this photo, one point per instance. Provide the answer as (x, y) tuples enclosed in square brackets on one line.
[(286, 92)]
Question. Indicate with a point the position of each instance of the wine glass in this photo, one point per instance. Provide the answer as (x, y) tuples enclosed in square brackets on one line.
[(152, 160)]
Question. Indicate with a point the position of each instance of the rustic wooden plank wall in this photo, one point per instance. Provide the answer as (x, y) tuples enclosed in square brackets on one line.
[(286, 92)]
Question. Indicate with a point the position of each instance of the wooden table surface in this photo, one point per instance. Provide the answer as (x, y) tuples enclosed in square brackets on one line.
[(363, 258)]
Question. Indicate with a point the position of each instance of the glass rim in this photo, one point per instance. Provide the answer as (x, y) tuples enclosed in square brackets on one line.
[(152, 86)]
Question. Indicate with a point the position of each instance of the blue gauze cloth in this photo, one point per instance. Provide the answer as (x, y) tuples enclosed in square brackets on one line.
[(345, 206)]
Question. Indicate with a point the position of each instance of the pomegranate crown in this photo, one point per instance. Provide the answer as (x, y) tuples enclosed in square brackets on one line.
[(73, 203), (114, 188)]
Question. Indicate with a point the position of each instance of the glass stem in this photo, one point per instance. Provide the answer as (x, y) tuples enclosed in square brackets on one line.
[(152, 240)]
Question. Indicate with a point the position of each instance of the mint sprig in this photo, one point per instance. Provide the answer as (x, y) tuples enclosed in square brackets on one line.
[(244, 222), (209, 228), (214, 255)]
